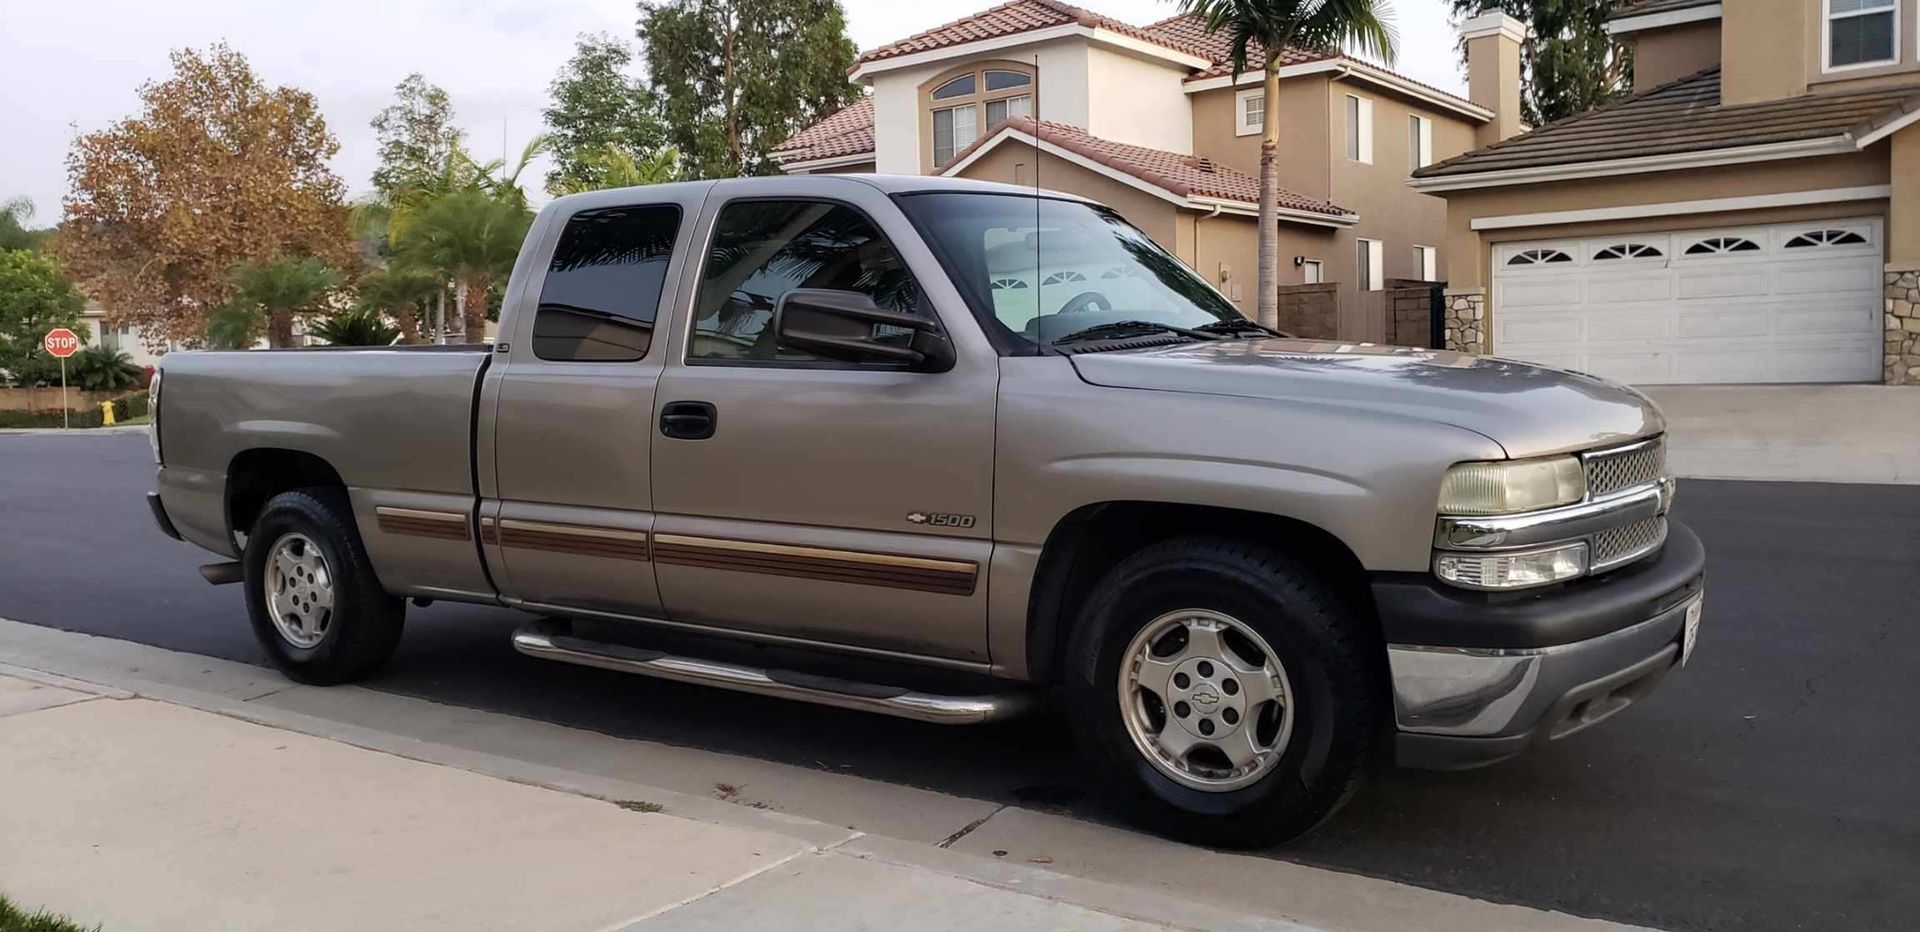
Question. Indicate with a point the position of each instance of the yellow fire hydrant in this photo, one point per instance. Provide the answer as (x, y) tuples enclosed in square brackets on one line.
[(106, 414)]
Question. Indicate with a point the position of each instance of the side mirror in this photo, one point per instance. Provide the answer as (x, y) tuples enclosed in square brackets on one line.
[(846, 325)]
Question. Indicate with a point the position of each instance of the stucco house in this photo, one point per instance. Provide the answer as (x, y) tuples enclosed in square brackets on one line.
[(1750, 214), (1151, 120)]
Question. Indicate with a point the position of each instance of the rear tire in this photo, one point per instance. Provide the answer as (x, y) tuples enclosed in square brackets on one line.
[(316, 605), (1250, 712)]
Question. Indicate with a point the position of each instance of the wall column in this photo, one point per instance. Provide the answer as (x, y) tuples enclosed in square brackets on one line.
[(1901, 359), (1466, 329)]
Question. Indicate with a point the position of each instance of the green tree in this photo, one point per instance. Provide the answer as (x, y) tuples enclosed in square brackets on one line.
[(357, 327), (614, 167), (598, 112), (282, 288), (233, 327), (1256, 25), (473, 235), (416, 135), (35, 297), (14, 214), (1570, 63), (736, 77), (401, 293)]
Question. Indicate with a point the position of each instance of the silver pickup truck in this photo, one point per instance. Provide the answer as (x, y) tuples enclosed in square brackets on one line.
[(941, 449)]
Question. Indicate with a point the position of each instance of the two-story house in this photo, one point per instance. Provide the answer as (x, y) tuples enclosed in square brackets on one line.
[(1750, 214), (1152, 121)]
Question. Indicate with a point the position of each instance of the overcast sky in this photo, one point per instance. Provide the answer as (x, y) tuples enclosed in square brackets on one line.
[(72, 66)]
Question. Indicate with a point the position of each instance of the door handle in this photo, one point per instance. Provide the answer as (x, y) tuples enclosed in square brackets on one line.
[(688, 420)]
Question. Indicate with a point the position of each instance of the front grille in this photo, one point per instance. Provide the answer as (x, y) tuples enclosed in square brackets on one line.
[(1617, 545), (1613, 470)]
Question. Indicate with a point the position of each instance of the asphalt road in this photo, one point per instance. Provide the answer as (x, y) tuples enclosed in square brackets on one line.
[(1774, 784)]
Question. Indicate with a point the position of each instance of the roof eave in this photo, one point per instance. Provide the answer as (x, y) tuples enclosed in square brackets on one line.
[(866, 70), (793, 161), (1675, 161), (1348, 67), (1628, 24)]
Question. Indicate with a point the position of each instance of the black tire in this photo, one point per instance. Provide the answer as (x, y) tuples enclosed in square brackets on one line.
[(1317, 635), (364, 627)]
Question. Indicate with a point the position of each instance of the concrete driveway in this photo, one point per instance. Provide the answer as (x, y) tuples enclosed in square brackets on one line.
[(1796, 433)]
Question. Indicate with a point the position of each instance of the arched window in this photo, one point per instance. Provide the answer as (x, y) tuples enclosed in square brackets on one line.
[(1722, 245), (965, 105), (1008, 284), (1539, 256), (1628, 251), (1826, 238), (1068, 275)]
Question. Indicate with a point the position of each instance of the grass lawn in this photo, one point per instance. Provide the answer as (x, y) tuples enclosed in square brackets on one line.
[(13, 919), (142, 419)]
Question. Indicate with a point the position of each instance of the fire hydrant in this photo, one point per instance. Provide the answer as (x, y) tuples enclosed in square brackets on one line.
[(106, 414)]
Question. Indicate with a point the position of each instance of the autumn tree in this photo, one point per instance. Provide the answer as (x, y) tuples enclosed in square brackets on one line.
[(34, 298), (736, 77), (416, 135), (599, 117), (216, 170), (1570, 63)]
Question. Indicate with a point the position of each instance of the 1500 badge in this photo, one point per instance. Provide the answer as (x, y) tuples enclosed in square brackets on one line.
[(936, 519)]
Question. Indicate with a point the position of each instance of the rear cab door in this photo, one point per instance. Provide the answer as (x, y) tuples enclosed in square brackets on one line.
[(567, 410)]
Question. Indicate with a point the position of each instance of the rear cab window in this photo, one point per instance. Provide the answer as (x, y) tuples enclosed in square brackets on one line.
[(601, 295)]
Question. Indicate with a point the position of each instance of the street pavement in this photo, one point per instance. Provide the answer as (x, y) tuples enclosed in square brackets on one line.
[(1767, 786)]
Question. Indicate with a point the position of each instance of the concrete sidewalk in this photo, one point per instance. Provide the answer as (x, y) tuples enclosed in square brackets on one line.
[(1798, 433), (141, 814)]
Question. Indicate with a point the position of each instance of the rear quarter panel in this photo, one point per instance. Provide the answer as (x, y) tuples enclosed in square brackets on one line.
[(395, 424)]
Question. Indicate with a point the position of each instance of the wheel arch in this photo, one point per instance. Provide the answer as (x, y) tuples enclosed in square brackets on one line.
[(255, 476), (1089, 540)]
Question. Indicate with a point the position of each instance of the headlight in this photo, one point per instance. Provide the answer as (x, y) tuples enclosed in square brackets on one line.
[(1511, 570), (153, 416), (1512, 486)]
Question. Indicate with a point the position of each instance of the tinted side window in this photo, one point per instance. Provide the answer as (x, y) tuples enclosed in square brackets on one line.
[(602, 290), (763, 249)]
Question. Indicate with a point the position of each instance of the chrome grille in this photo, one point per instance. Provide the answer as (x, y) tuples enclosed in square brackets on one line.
[(1617, 545), (1613, 470)]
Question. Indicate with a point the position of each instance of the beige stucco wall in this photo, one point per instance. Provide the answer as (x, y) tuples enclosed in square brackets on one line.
[(1467, 254), (1903, 213), (1673, 52), (1396, 215), (1493, 82), (1012, 163), (1761, 41), (1138, 101), (902, 147), (1305, 125)]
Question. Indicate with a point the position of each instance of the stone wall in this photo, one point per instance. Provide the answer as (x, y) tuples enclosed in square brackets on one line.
[(1409, 312), (1466, 320), (1902, 359), (1310, 311), (48, 399)]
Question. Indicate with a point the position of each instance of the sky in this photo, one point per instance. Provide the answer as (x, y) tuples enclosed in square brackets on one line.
[(69, 67)]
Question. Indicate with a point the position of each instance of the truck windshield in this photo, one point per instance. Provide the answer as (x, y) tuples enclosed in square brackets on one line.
[(1053, 271)]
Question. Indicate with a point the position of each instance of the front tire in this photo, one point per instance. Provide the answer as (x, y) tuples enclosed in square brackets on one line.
[(316, 606), (1220, 692)]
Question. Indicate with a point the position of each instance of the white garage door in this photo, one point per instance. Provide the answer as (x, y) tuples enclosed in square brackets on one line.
[(1797, 302)]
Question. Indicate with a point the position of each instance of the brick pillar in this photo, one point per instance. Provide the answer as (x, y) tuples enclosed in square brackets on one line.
[(1467, 320), (1902, 359)]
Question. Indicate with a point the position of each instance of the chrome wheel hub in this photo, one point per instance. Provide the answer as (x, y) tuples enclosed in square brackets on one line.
[(1206, 699), (299, 590)]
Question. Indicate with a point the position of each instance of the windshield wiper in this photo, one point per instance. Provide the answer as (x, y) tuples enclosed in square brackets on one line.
[(1106, 331), (1242, 325)]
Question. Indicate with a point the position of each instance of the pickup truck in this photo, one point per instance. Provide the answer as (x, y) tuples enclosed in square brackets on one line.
[(944, 450)]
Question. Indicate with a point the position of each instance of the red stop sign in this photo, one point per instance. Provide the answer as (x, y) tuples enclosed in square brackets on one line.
[(61, 342)]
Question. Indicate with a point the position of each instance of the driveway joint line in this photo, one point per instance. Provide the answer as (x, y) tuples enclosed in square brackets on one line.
[(629, 925)]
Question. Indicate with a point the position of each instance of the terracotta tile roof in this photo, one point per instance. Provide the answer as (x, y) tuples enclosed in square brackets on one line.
[(1191, 31), (1646, 7), (847, 132), (1683, 116), (1008, 19), (1182, 175)]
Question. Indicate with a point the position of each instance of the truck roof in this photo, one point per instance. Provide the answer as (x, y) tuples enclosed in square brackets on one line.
[(888, 184)]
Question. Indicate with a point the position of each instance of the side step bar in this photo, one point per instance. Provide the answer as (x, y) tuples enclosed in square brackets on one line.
[(549, 638)]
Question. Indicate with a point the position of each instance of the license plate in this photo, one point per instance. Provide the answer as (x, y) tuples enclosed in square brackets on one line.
[(1693, 629)]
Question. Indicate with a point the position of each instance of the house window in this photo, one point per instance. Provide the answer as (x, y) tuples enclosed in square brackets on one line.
[(1368, 271), (1539, 257), (1826, 238), (1721, 245), (1427, 260), (1862, 32), (1419, 141), (1627, 251), (1359, 129), (1250, 108), (1310, 271), (966, 105)]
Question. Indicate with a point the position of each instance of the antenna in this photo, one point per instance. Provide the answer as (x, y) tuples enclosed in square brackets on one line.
[(1040, 329)]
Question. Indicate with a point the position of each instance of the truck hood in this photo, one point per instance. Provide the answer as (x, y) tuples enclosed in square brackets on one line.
[(1529, 410)]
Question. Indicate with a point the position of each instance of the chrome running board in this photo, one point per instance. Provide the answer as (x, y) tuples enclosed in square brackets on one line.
[(550, 638)]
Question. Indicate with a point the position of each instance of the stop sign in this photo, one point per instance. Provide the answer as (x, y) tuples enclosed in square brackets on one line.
[(61, 342)]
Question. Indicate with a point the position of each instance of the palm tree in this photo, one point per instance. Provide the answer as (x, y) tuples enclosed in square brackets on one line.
[(1256, 26), (616, 167), (358, 327), (473, 236), (102, 369), (400, 292), (282, 288)]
